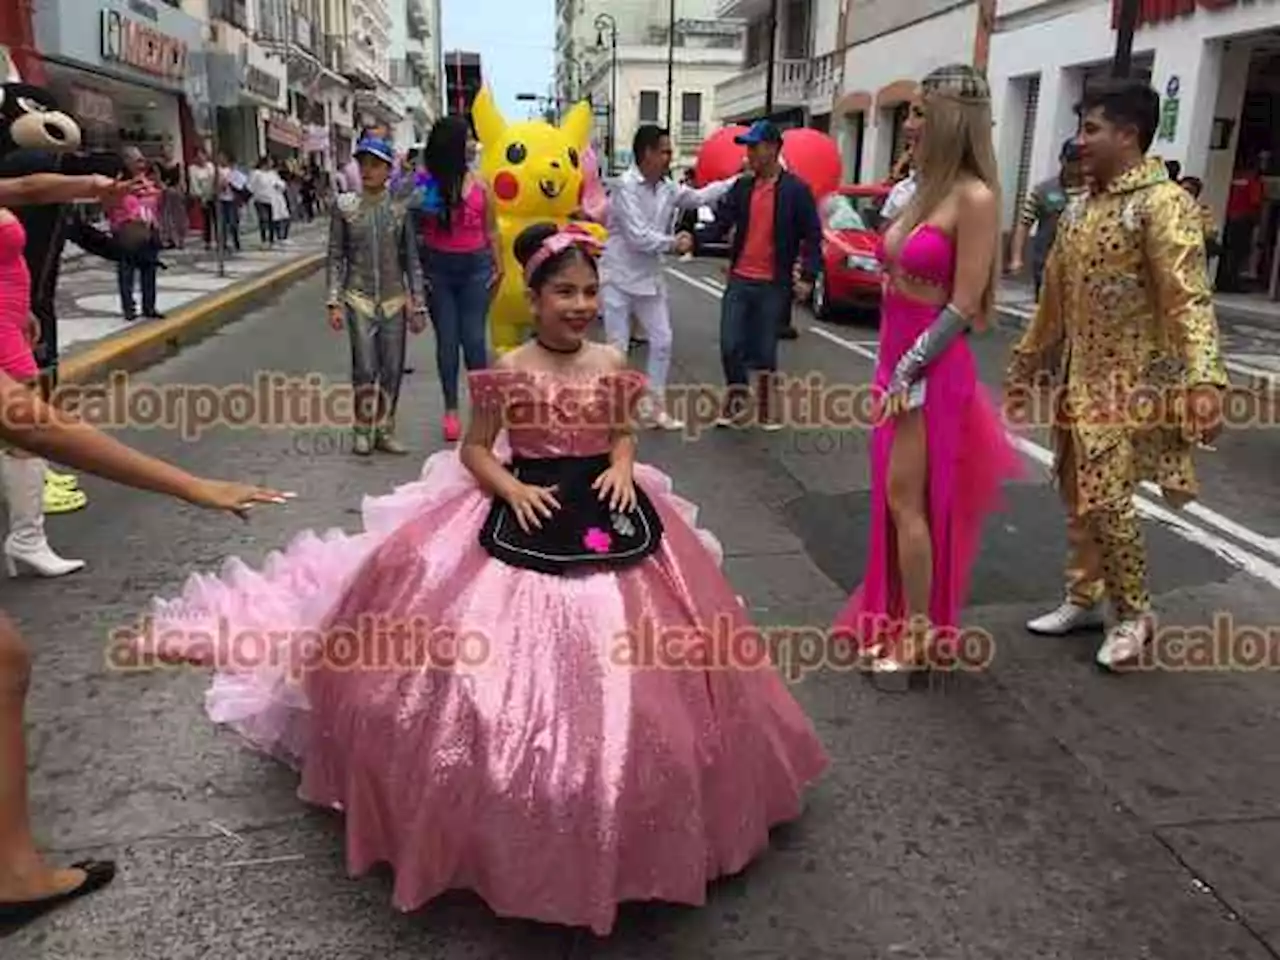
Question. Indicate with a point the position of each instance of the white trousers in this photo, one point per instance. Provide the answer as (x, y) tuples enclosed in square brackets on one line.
[(655, 317)]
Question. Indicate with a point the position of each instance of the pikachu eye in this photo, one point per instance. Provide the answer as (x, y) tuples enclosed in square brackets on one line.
[(573, 158), (516, 153)]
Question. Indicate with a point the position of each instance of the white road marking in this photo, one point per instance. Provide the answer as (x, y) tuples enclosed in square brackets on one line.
[(1234, 554)]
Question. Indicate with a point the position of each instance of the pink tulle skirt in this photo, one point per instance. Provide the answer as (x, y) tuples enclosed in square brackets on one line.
[(515, 752)]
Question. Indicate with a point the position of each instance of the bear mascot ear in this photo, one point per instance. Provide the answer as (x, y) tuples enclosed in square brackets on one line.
[(30, 119), (38, 136)]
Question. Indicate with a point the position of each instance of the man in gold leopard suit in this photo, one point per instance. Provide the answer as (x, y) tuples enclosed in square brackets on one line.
[(1126, 324)]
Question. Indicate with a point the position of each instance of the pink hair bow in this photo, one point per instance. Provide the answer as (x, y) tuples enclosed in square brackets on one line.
[(567, 237)]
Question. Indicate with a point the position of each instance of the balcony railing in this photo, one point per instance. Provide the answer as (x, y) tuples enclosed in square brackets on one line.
[(808, 83), (744, 94), (825, 75), (234, 12)]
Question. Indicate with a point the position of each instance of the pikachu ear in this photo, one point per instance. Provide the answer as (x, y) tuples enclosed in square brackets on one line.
[(577, 125), (488, 121)]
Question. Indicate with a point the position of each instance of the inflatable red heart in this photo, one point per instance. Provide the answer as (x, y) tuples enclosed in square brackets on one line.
[(719, 157), (810, 154)]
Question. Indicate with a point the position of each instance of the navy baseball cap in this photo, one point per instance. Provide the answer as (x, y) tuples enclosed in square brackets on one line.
[(376, 147), (762, 131)]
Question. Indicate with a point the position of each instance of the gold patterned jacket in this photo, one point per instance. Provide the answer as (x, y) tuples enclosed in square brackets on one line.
[(373, 264), (1126, 317)]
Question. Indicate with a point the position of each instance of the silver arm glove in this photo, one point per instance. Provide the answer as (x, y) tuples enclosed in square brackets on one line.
[(927, 348)]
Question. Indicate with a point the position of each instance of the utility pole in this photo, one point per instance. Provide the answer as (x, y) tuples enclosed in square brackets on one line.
[(1125, 21), (773, 58), (671, 59)]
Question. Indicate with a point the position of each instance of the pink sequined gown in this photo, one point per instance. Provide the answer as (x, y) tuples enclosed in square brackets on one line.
[(970, 457), (550, 779)]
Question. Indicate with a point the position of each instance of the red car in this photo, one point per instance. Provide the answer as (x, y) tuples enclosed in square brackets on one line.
[(851, 273)]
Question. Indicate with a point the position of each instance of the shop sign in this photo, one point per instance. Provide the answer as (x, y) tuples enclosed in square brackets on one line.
[(317, 139), (260, 83), (1162, 11), (142, 47), (284, 131)]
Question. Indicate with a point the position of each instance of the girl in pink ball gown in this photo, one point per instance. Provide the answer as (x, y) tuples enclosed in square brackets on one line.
[(499, 682), (939, 455)]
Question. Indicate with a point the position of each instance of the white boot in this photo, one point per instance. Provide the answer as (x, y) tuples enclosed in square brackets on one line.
[(26, 546)]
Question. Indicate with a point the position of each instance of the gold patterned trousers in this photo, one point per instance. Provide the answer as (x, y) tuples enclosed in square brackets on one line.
[(1106, 556)]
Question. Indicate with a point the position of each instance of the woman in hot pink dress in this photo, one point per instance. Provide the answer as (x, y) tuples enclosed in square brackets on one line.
[(23, 476), (939, 455), (504, 682)]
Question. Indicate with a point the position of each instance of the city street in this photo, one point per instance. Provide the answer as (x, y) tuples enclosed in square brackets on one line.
[(1038, 809)]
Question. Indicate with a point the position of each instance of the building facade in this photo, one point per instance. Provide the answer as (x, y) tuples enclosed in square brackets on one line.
[(887, 49), (415, 52), (807, 68), (1216, 64), (703, 51)]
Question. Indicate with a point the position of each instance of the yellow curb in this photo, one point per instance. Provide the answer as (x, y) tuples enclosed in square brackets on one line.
[(142, 346)]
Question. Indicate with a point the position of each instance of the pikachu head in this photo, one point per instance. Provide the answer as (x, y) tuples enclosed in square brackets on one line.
[(535, 168)]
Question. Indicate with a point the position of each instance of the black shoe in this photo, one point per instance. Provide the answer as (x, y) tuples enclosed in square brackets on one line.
[(787, 333), (97, 874), (155, 315)]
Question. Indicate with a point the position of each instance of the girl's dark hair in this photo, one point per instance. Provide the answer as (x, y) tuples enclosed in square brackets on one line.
[(445, 157), (531, 239)]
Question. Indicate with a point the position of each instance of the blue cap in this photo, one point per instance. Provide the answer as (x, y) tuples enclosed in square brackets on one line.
[(762, 131), (376, 147)]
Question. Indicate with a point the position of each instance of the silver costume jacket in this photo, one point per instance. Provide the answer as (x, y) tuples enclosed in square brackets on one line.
[(373, 256)]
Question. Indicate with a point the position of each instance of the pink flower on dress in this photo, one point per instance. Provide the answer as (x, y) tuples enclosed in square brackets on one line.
[(597, 540)]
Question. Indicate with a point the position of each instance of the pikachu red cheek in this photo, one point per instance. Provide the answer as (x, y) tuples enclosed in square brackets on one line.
[(506, 186)]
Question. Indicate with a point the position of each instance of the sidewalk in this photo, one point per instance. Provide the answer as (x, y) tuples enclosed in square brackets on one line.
[(1249, 328), (91, 326)]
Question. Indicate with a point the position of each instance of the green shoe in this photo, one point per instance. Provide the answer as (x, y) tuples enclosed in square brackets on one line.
[(387, 443)]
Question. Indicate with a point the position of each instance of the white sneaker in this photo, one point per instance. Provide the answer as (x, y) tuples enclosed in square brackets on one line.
[(1125, 643), (1068, 618), (664, 421)]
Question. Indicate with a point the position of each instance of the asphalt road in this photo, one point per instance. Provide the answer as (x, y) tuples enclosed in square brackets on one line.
[(1037, 810)]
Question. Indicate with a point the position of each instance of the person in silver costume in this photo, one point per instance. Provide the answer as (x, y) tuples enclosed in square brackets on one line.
[(375, 292)]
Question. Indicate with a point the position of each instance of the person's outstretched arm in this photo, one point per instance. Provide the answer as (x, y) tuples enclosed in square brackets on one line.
[(28, 422)]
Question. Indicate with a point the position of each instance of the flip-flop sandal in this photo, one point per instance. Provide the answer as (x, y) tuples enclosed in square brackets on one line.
[(97, 874), (61, 500), (67, 481)]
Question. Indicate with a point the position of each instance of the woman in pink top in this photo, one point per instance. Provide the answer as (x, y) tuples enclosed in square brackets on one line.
[(135, 220), (22, 475), (461, 260)]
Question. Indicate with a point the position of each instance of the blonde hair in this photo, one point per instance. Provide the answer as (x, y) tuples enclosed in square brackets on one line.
[(957, 142)]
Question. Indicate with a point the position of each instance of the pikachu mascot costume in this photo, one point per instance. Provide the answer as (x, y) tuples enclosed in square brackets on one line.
[(536, 172)]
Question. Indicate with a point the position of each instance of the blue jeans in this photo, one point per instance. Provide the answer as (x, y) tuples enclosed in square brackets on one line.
[(751, 314), (459, 310)]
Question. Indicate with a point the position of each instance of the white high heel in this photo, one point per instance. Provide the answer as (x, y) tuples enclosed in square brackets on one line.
[(26, 547)]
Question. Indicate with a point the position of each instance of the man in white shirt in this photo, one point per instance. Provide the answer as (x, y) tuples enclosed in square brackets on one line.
[(642, 218)]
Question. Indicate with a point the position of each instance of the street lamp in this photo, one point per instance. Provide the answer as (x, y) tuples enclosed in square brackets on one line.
[(602, 23)]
